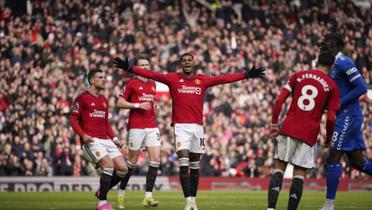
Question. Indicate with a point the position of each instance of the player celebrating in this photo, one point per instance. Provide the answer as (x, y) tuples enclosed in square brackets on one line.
[(312, 92), (139, 97), (188, 92), (89, 119), (347, 137)]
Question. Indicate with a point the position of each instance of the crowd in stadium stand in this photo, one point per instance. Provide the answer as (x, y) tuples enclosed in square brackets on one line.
[(46, 54)]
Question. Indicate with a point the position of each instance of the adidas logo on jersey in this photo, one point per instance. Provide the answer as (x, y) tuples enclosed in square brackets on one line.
[(92, 104), (181, 80), (141, 88)]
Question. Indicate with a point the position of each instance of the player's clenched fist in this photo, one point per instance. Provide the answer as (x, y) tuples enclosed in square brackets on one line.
[(274, 130), (145, 105), (87, 139)]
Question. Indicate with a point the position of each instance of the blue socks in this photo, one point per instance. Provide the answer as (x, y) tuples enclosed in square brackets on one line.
[(333, 178), (367, 167)]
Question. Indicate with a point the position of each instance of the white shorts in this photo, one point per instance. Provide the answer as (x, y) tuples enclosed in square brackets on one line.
[(189, 136), (295, 152), (99, 148), (147, 137)]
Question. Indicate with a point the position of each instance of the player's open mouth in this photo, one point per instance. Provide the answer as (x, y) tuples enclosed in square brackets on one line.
[(188, 67)]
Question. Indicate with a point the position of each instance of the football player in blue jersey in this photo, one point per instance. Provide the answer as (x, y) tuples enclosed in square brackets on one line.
[(347, 137)]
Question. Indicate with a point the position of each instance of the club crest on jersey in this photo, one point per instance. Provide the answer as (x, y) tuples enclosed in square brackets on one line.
[(197, 81), (98, 154), (75, 108)]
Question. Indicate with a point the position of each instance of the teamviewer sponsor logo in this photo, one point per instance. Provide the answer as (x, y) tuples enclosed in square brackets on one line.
[(189, 90), (146, 97), (98, 113)]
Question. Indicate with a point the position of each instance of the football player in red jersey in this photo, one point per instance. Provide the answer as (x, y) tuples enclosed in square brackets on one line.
[(188, 91), (89, 119), (143, 131), (312, 93)]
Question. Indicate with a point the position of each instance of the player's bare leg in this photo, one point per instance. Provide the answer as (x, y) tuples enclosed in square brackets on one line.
[(152, 172), (333, 177), (295, 193), (107, 166), (194, 176), (275, 184), (131, 163), (183, 157)]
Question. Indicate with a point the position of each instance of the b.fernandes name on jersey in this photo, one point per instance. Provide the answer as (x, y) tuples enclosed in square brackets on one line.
[(315, 77)]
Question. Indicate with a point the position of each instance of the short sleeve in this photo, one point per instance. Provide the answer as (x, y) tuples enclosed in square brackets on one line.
[(349, 68)]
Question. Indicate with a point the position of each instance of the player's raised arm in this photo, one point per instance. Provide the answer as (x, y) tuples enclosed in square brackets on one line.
[(128, 67), (229, 78)]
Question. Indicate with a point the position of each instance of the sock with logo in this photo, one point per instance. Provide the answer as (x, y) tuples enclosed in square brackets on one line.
[(275, 186), (151, 175), (333, 178), (367, 167), (295, 192)]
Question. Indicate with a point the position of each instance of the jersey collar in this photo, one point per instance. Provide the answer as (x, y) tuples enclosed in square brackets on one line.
[(339, 54)]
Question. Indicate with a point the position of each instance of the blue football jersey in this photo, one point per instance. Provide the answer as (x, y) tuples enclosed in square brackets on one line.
[(344, 72)]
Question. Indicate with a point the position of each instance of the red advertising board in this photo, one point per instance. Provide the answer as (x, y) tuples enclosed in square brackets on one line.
[(235, 183)]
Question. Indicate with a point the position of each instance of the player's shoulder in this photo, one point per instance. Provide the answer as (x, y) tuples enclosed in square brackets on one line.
[(82, 95), (344, 62), (132, 81), (201, 76)]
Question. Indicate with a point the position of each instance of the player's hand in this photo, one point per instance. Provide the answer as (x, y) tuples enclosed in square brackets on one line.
[(274, 130), (123, 64), (157, 110), (117, 142), (326, 145), (87, 139), (255, 72), (145, 105)]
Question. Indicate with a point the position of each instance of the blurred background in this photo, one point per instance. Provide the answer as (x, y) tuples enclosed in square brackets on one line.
[(48, 46)]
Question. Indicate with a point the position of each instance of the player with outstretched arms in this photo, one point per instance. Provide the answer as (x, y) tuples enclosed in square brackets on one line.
[(89, 119), (143, 131), (347, 137), (312, 93), (188, 92)]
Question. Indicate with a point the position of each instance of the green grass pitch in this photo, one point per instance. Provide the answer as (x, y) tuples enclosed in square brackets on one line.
[(173, 200)]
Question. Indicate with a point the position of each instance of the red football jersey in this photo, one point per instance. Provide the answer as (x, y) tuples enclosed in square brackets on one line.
[(90, 116), (188, 93), (138, 91), (312, 92)]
